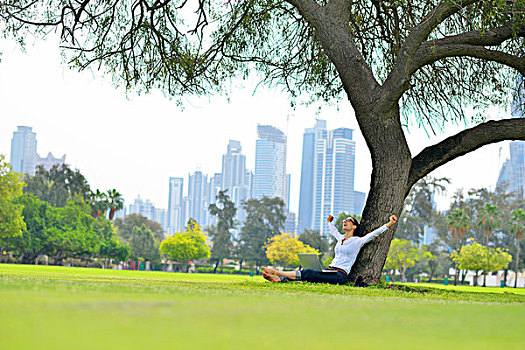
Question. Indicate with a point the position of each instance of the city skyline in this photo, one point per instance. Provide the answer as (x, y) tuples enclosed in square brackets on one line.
[(116, 142)]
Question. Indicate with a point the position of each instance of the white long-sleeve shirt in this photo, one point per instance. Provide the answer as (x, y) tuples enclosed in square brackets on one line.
[(346, 253)]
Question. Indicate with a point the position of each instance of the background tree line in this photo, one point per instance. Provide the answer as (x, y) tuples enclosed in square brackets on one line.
[(56, 214)]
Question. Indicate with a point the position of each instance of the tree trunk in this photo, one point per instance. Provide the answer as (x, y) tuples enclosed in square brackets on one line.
[(484, 279), (476, 279), (463, 276), (517, 264), (216, 265), (391, 163), (240, 266)]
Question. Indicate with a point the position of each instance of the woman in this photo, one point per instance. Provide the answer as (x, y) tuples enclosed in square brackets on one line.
[(346, 250)]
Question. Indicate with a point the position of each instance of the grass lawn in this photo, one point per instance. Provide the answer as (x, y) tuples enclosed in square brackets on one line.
[(75, 308)]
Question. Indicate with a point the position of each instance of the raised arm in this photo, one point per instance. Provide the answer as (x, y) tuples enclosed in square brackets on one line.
[(333, 230), (377, 232)]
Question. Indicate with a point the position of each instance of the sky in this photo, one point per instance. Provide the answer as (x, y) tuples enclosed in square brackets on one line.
[(135, 143)]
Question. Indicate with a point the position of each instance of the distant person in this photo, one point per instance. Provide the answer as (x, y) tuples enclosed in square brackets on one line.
[(346, 250)]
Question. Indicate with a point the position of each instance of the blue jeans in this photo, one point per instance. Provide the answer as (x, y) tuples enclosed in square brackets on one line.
[(308, 275)]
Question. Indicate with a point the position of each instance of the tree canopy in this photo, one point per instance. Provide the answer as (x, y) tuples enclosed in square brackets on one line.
[(57, 185), (11, 184), (264, 219), (126, 225), (224, 209), (283, 248), (186, 246)]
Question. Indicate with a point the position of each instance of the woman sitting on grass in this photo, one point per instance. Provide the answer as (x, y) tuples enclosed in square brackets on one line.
[(346, 250)]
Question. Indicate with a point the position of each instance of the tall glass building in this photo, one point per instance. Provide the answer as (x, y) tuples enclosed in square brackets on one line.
[(269, 178), (306, 192), (198, 198), (23, 150), (235, 178), (512, 174), (327, 177), (175, 205)]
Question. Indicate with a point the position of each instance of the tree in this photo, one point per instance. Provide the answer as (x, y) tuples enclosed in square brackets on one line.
[(283, 249), (116, 202), (403, 255), (419, 208), (99, 203), (186, 246), (109, 246), (142, 244), (39, 217), (57, 185), (393, 60), (489, 220), (72, 234), (125, 227), (517, 227), (264, 219), (495, 259), (220, 235), (113, 250), (470, 257), (476, 257), (314, 239), (11, 184), (458, 223)]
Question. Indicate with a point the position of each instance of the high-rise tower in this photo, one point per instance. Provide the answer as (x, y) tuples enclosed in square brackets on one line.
[(327, 177), (306, 192), (235, 178), (269, 178), (23, 150), (175, 205)]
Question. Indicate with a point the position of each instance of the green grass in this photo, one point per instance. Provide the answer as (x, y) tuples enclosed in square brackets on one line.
[(63, 308)]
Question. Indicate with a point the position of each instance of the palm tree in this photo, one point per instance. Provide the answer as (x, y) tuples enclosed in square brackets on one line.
[(99, 203), (489, 220), (458, 224), (115, 202), (517, 225)]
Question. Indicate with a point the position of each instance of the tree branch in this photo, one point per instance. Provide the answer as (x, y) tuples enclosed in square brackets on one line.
[(471, 44), (515, 62), (399, 78), (462, 143)]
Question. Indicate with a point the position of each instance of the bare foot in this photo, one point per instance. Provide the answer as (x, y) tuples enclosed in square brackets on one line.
[(270, 271), (271, 278)]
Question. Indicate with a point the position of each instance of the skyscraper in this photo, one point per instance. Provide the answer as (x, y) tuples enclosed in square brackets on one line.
[(512, 174), (198, 198), (235, 178), (23, 150), (175, 205), (269, 178), (327, 177), (306, 192), (214, 186), (147, 209)]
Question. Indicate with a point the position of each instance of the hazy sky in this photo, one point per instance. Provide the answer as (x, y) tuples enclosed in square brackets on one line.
[(135, 143)]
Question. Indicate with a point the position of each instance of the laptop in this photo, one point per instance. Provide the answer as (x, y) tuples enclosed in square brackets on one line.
[(311, 261)]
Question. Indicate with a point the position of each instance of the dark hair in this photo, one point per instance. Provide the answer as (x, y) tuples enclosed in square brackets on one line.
[(355, 222)]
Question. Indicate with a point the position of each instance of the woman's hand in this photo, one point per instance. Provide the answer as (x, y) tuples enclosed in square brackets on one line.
[(330, 218), (393, 220)]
